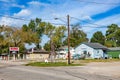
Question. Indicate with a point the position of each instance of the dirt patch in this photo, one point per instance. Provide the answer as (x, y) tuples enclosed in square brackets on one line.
[(104, 68)]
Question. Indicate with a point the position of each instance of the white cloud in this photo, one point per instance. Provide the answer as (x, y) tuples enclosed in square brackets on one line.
[(12, 22), (23, 13), (4, 21), (34, 3), (80, 10), (101, 23), (89, 10), (109, 20), (38, 5), (86, 18), (16, 5)]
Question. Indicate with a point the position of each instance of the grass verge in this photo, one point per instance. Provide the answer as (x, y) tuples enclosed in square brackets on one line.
[(95, 60), (55, 64)]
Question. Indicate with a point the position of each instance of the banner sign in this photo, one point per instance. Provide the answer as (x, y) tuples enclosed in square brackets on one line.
[(14, 48)]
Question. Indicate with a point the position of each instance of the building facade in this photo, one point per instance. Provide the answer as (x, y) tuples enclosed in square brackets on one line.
[(91, 50)]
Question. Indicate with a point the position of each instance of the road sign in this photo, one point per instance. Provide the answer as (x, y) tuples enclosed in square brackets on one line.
[(14, 48)]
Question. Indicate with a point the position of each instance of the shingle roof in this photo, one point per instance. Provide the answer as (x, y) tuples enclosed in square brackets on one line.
[(40, 51), (96, 45), (114, 48)]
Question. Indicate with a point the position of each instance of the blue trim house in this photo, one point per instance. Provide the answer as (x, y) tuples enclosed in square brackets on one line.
[(92, 50)]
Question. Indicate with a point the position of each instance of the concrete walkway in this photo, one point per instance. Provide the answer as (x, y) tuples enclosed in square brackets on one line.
[(12, 62)]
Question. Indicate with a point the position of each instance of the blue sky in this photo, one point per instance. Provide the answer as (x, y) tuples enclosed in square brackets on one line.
[(100, 12)]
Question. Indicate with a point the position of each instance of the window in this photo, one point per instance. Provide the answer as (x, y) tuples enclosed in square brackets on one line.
[(97, 51), (84, 52)]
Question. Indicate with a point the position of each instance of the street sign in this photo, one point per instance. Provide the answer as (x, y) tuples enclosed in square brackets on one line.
[(14, 48)]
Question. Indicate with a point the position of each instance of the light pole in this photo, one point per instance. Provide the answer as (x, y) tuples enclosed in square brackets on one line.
[(68, 28)]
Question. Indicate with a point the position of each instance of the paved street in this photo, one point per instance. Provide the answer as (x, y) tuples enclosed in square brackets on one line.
[(14, 71)]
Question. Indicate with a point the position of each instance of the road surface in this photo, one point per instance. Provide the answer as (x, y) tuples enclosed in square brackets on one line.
[(19, 72)]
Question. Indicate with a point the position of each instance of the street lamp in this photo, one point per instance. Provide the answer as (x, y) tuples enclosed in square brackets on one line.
[(68, 27)]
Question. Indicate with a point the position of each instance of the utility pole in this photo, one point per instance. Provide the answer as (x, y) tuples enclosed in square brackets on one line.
[(68, 25)]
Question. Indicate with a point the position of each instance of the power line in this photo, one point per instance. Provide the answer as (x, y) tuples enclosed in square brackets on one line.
[(19, 18), (27, 19), (58, 24), (14, 17), (101, 26), (103, 3), (93, 26), (96, 25)]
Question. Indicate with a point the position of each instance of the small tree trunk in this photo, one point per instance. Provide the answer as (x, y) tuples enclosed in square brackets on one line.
[(52, 54)]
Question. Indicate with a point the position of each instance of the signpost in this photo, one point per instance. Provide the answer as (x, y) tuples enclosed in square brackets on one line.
[(14, 50)]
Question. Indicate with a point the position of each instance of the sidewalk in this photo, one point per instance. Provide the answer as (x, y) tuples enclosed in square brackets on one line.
[(13, 62)]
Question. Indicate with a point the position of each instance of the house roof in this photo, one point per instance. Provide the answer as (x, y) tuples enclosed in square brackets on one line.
[(40, 51), (96, 45), (64, 47), (114, 48)]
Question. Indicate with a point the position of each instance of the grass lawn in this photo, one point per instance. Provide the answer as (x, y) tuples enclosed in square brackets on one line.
[(55, 64)]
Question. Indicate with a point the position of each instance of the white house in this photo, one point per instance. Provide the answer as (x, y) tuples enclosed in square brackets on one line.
[(91, 50), (63, 52)]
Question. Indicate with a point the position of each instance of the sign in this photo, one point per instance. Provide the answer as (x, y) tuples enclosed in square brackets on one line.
[(14, 48)]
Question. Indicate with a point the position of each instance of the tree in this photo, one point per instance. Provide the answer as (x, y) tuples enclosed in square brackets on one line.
[(36, 26), (58, 36), (1, 42), (110, 34), (25, 28), (98, 37), (4, 42), (32, 26), (117, 35), (55, 34), (76, 37), (47, 46), (49, 31), (17, 37)]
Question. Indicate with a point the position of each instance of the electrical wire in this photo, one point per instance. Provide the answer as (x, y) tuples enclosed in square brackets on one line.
[(101, 26), (92, 27), (28, 20), (19, 18), (58, 24), (14, 17)]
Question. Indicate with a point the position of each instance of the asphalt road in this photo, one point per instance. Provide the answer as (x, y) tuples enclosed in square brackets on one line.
[(18, 72)]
